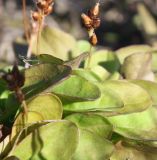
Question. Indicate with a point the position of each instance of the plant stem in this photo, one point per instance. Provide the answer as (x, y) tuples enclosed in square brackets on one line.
[(40, 23), (29, 51), (25, 19), (89, 56), (25, 107)]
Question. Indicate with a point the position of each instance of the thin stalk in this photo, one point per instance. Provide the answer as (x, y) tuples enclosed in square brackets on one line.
[(89, 56), (29, 51), (25, 19), (24, 107), (40, 23)]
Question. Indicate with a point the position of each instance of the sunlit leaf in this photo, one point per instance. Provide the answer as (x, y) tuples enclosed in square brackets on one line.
[(56, 42), (81, 46), (108, 101), (138, 126), (124, 52), (76, 62), (106, 59), (42, 107), (101, 72), (93, 123), (150, 87), (128, 152), (138, 66), (87, 74), (134, 98), (76, 88), (40, 77), (56, 140), (12, 158), (46, 58), (92, 147)]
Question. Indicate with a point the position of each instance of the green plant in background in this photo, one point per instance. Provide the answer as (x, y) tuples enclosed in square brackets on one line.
[(106, 112)]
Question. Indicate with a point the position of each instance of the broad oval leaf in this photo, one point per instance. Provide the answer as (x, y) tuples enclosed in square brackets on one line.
[(81, 46), (124, 52), (47, 105), (12, 158), (106, 59), (55, 42), (134, 98), (138, 126), (93, 123), (86, 74), (40, 77), (76, 62), (127, 152), (42, 107), (46, 58), (108, 101), (138, 66), (55, 140), (92, 147), (101, 72), (150, 87), (76, 88)]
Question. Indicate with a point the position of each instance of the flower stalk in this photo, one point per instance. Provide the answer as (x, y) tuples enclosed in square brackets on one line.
[(91, 22)]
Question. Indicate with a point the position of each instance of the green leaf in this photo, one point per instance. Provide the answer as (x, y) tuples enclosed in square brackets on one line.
[(101, 72), (134, 98), (150, 87), (12, 158), (46, 58), (40, 77), (106, 59), (47, 105), (127, 152), (138, 66), (124, 52), (56, 42), (92, 147), (86, 74), (93, 123), (81, 46), (76, 88), (56, 140), (10, 106), (108, 101), (42, 107), (3, 86), (76, 62), (138, 126)]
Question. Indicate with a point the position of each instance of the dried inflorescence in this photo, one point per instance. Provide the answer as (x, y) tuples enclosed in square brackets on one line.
[(44, 8), (91, 22), (15, 80)]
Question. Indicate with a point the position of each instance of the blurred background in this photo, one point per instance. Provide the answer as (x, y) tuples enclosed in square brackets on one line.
[(123, 22)]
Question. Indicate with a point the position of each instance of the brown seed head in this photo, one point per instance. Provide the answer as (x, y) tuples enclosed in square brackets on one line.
[(14, 78), (96, 22), (42, 5), (49, 1), (36, 16), (94, 12), (93, 39), (48, 10), (86, 21)]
